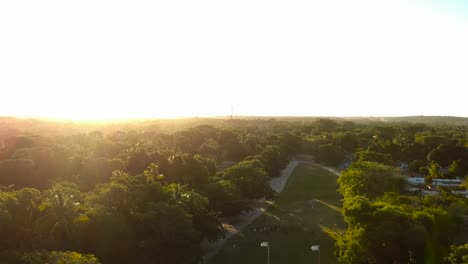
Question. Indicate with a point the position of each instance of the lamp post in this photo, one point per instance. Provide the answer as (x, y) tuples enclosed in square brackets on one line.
[(316, 248), (267, 245)]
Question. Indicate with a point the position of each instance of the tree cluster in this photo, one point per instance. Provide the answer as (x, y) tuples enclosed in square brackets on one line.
[(386, 226), (131, 196)]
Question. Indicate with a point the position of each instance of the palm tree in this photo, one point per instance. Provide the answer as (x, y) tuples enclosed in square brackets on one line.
[(60, 207)]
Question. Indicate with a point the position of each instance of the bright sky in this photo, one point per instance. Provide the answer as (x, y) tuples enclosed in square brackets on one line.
[(93, 59)]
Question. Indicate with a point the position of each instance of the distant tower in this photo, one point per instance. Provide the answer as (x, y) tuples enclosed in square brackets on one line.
[(232, 110)]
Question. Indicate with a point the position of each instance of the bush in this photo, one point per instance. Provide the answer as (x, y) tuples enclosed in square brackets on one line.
[(57, 257)]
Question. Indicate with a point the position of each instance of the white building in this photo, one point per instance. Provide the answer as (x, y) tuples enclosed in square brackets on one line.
[(447, 182), (415, 180)]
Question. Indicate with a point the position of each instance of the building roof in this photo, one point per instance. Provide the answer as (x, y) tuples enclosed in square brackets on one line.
[(415, 180), (448, 181)]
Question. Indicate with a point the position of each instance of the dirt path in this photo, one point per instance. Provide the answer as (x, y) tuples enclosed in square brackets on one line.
[(258, 208)]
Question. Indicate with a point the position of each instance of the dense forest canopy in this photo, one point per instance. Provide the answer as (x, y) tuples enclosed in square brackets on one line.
[(151, 191)]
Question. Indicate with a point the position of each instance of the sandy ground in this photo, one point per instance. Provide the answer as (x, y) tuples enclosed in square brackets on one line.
[(236, 225)]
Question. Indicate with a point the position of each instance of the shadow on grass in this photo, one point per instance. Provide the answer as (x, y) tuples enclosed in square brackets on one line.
[(333, 207)]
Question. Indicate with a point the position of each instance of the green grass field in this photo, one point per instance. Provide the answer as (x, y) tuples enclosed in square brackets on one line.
[(307, 212)]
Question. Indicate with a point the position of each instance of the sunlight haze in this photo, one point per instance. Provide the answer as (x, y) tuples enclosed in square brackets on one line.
[(143, 59)]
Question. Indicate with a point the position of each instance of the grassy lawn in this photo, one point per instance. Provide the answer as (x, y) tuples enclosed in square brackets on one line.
[(307, 212)]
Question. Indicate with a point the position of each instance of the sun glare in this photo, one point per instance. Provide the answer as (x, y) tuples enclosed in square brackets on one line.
[(88, 113), (95, 60)]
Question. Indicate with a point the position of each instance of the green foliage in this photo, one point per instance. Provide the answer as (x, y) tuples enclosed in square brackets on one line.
[(138, 161), (204, 220), (272, 158), (445, 154), (251, 179), (226, 198), (432, 141), (193, 170), (386, 227), (19, 211), (458, 254), (458, 168), (114, 190), (231, 147), (154, 221), (352, 247), (370, 179), (289, 144), (18, 172), (97, 170), (326, 125), (415, 165), (434, 171), (347, 141), (55, 228), (168, 235), (57, 257), (372, 156), (330, 154), (384, 232)]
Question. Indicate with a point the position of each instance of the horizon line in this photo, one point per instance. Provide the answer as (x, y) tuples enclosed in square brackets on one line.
[(104, 120)]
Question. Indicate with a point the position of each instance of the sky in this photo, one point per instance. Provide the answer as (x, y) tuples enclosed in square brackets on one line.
[(93, 59)]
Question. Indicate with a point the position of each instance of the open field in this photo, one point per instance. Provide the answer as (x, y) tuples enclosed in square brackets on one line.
[(306, 212), (258, 207)]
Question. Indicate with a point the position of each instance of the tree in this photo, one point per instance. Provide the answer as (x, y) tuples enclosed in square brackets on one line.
[(434, 171), (231, 148), (444, 154), (17, 142), (289, 144), (272, 159), (415, 165), (168, 235), (326, 125), (368, 155), (380, 232), (138, 161), (45, 163), (110, 236), (395, 229), (458, 168), (147, 220), (210, 147), (251, 179), (330, 154), (226, 198), (204, 220), (97, 170), (19, 172), (57, 257), (351, 247), (55, 229), (370, 179), (19, 210), (193, 170), (348, 141), (458, 254)]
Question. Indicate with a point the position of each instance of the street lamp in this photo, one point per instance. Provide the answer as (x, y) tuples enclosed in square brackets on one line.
[(267, 245), (316, 248)]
